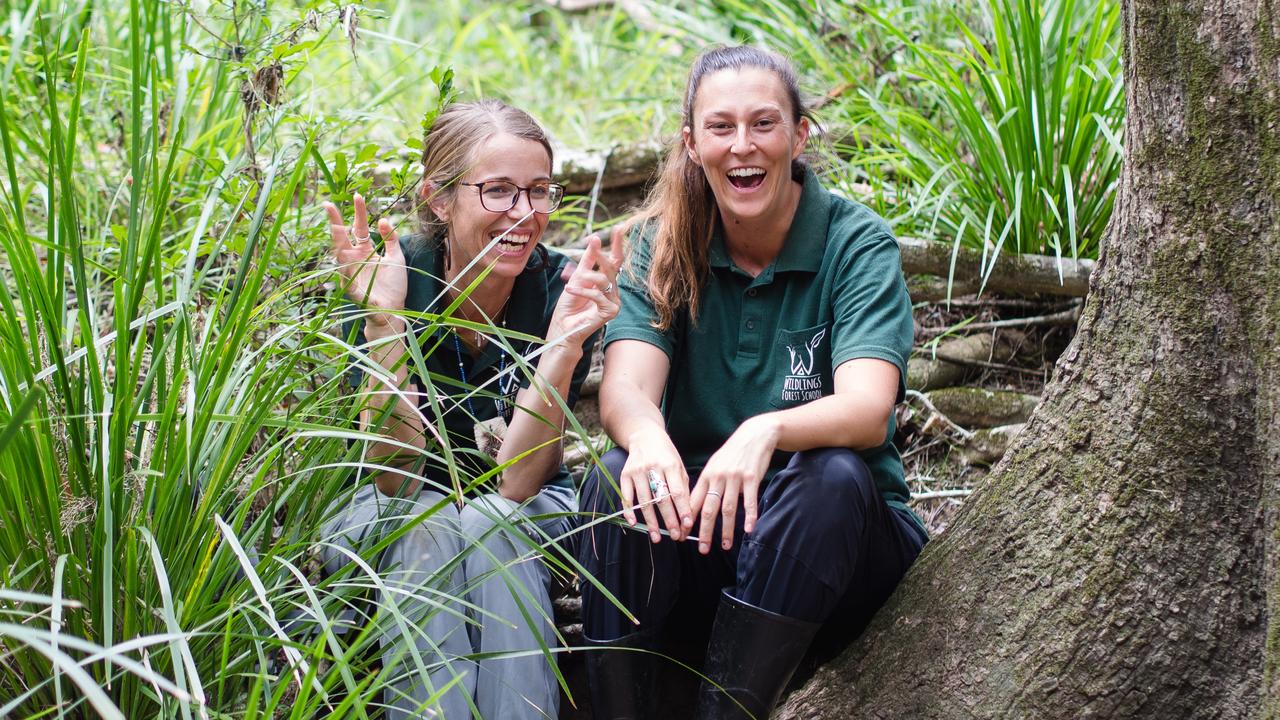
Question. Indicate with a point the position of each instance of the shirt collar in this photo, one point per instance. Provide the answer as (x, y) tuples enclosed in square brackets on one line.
[(806, 240), (525, 309)]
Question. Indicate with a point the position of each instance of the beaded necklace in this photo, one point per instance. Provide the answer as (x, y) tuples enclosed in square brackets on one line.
[(499, 402)]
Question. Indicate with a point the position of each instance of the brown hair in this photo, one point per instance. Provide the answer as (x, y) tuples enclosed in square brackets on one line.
[(450, 145), (682, 205)]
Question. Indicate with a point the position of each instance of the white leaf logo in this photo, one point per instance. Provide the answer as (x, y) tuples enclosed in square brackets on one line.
[(802, 360)]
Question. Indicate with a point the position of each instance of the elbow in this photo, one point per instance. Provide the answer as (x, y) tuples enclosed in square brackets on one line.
[(394, 484), (516, 494), (873, 432)]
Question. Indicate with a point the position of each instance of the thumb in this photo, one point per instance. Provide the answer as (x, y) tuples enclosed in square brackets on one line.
[(391, 241)]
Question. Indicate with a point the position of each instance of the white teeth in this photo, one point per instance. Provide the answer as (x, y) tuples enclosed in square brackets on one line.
[(745, 172)]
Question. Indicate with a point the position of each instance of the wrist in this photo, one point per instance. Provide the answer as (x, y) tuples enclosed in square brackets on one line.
[(564, 352), (766, 427), (645, 432)]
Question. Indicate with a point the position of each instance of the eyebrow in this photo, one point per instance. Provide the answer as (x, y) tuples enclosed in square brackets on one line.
[(764, 110), (504, 178)]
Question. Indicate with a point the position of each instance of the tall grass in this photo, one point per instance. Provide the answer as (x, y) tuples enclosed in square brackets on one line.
[(173, 424), (1009, 140)]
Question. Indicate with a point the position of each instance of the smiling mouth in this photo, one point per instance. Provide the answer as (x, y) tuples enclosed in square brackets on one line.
[(746, 178), (511, 243)]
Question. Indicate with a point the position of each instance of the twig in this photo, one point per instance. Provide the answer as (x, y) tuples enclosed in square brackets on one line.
[(595, 191), (938, 494), (1067, 317), (917, 450), (945, 357)]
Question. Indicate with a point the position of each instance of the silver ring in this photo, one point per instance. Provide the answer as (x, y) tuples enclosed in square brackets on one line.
[(356, 240), (657, 485), (608, 288), (713, 492)]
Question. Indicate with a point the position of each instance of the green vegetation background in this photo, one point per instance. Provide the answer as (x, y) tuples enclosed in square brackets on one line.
[(173, 424)]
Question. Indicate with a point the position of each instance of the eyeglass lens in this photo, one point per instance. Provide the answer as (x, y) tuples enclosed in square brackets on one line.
[(501, 196)]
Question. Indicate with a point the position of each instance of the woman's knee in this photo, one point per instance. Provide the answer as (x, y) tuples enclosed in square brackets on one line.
[(600, 487), (482, 518), (832, 482)]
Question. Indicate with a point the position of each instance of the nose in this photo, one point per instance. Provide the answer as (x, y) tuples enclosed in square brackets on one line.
[(741, 141), (523, 205)]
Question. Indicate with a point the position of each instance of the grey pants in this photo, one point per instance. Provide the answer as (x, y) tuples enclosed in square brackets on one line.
[(473, 554)]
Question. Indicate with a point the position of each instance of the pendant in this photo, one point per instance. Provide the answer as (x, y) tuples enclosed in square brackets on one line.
[(489, 434)]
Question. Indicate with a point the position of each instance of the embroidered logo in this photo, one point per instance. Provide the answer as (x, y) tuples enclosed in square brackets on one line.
[(803, 385)]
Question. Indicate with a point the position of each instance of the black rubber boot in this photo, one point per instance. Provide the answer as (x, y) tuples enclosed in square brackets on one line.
[(752, 655), (623, 676)]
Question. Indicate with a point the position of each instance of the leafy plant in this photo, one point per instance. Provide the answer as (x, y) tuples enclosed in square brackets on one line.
[(173, 423), (1011, 143)]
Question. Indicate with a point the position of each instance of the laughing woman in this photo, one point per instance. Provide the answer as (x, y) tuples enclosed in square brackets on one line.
[(488, 192), (749, 383)]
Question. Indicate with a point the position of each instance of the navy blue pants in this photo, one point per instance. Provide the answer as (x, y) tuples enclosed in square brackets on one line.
[(826, 548)]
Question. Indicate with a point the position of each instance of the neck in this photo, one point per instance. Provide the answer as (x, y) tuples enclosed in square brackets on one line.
[(754, 243), (488, 298)]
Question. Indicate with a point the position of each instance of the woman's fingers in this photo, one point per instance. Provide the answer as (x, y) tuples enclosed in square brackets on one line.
[(644, 498), (666, 506), (337, 227), (750, 493), (628, 491), (728, 512), (360, 229), (587, 262), (710, 511), (618, 243)]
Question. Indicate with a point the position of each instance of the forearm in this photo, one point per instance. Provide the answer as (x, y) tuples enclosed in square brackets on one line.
[(626, 412), (839, 420), (538, 422), (389, 409)]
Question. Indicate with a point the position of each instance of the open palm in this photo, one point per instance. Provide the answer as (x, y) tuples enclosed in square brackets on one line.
[(376, 281)]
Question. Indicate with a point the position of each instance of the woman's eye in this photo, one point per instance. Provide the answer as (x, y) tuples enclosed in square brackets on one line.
[(539, 192), (497, 191)]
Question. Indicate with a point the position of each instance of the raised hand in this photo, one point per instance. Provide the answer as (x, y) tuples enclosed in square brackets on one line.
[(590, 297), (379, 282)]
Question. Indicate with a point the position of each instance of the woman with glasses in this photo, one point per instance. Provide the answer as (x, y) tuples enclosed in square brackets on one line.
[(749, 383), (486, 197)]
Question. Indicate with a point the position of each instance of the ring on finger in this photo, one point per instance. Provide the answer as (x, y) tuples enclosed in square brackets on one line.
[(657, 485), (713, 492), (608, 288)]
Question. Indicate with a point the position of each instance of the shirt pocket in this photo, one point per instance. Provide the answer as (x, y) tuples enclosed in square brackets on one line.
[(804, 367)]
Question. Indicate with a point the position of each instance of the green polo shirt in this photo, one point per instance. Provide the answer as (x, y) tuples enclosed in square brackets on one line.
[(770, 342), (533, 300)]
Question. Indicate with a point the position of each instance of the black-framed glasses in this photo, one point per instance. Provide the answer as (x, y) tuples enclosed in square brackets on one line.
[(499, 196)]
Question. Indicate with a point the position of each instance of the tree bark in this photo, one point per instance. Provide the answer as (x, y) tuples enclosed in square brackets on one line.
[(1120, 560)]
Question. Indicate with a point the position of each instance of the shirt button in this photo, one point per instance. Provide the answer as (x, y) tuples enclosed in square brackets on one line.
[(751, 324), (751, 292)]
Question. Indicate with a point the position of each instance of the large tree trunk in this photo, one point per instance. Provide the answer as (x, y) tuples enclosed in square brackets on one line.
[(1120, 562)]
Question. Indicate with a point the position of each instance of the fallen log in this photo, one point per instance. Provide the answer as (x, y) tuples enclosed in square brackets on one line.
[(1014, 274), (982, 408), (1017, 274), (951, 362)]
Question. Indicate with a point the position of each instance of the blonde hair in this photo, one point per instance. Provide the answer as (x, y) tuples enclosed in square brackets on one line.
[(682, 205), (450, 145)]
